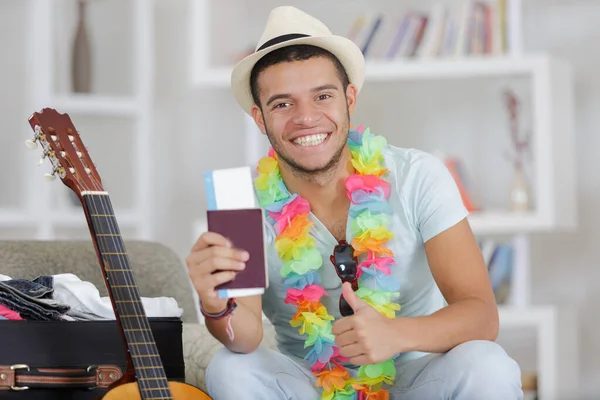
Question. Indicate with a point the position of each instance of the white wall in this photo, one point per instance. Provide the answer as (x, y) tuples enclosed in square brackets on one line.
[(566, 265), (13, 96), (194, 134)]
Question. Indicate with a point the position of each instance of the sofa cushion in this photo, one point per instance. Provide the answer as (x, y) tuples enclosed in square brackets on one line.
[(158, 270)]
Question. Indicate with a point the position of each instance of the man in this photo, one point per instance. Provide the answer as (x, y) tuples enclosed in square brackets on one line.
[(393, 213)]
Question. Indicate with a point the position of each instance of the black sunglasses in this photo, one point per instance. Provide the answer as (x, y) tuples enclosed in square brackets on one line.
[(346, 265)]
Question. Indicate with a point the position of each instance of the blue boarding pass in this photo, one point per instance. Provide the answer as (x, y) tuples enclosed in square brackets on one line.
[(229, 189)]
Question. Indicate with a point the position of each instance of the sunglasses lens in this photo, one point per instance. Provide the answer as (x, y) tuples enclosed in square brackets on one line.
[(345, 263), (345, 308)]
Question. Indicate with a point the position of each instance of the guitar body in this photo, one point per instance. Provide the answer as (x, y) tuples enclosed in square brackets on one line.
[(179, 391)]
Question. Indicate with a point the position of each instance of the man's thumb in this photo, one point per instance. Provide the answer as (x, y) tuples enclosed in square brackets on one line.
[(353, 300)]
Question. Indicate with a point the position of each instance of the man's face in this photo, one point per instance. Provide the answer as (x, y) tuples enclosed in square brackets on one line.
[(306, 113)]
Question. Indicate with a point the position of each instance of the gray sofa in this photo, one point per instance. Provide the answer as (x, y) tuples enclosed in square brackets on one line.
[(158, 272)]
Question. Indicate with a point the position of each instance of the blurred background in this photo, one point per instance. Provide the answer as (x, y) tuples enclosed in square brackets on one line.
[(506, 92)]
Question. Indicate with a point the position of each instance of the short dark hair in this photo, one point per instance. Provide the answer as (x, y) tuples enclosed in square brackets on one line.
[(299, 52)]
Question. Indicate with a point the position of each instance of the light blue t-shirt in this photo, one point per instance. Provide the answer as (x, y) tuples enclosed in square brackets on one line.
[(425, 201)]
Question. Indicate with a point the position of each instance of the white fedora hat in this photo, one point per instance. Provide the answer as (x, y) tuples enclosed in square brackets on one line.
[(286, 26)]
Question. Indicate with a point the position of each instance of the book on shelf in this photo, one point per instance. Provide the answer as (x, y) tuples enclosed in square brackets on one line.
[(458, 171), (499, 259), (461, 28)]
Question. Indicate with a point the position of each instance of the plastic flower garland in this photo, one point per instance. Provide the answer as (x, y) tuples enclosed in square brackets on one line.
[(369, 212)]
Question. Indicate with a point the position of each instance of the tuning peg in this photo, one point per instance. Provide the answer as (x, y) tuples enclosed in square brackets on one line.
[(50, 177), (63, 154), (71, 138), (88, 170), (32, 144), (47, 153)]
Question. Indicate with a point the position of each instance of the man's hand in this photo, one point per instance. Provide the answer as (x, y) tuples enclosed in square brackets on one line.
[(213, 252), (367, 337)]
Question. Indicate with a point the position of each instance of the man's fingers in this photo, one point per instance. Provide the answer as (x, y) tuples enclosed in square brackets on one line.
[(342, 325), (345, 339), (205, 284), (210, 239), (219, 278), (351, 351), (221, 263), (361, 359), (207, 267), (215, 252)]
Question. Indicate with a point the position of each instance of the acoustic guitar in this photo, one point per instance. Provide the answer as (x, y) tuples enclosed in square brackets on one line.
[(145, 376)]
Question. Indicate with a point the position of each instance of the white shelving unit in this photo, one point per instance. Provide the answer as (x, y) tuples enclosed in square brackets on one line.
[(99, 105), (412, 69), (556, 346), (106, 121), (550, 84)]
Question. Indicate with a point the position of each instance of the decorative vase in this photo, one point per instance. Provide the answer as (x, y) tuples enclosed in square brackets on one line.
[(81, 72), (520, 194)]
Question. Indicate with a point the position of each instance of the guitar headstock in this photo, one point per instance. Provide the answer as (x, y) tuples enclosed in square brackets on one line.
[(62, 145)]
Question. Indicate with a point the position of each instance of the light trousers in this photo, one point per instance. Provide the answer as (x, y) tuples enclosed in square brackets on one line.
[(476, 370)]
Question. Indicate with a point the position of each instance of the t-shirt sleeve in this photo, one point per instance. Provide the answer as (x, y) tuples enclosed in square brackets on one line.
[(435, 201)]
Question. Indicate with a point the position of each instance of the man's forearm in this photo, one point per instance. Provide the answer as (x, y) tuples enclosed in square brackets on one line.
[(469, 319), (247, 329)]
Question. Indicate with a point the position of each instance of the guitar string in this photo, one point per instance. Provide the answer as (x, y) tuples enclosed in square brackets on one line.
[(114, 230), (124, 321), (155, 367), (145, 333)]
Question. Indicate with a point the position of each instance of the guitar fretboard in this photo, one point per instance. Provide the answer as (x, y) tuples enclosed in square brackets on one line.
[(128, 306)]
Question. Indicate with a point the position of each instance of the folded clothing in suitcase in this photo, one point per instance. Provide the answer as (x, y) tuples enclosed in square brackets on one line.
[(52, 360)]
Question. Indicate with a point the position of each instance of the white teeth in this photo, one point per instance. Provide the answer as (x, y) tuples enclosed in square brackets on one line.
[(311, 140)]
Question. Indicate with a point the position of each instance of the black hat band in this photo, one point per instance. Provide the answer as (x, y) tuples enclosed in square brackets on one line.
[(282, 38)]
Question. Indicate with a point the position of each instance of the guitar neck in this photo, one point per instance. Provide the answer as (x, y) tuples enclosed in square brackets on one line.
[(127, 303)]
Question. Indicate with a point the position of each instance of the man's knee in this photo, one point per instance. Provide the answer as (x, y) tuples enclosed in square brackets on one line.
[(484, 365), (224, 362), (483, 355), (262, 374)]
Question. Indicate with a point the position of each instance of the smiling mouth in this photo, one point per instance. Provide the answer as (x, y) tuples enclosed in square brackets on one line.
[(311, 140)]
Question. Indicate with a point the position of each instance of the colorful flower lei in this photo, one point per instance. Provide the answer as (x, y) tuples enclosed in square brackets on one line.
[(369, 212)]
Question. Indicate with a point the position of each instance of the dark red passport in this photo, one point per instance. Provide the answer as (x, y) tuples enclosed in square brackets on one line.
[(245, 229)]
